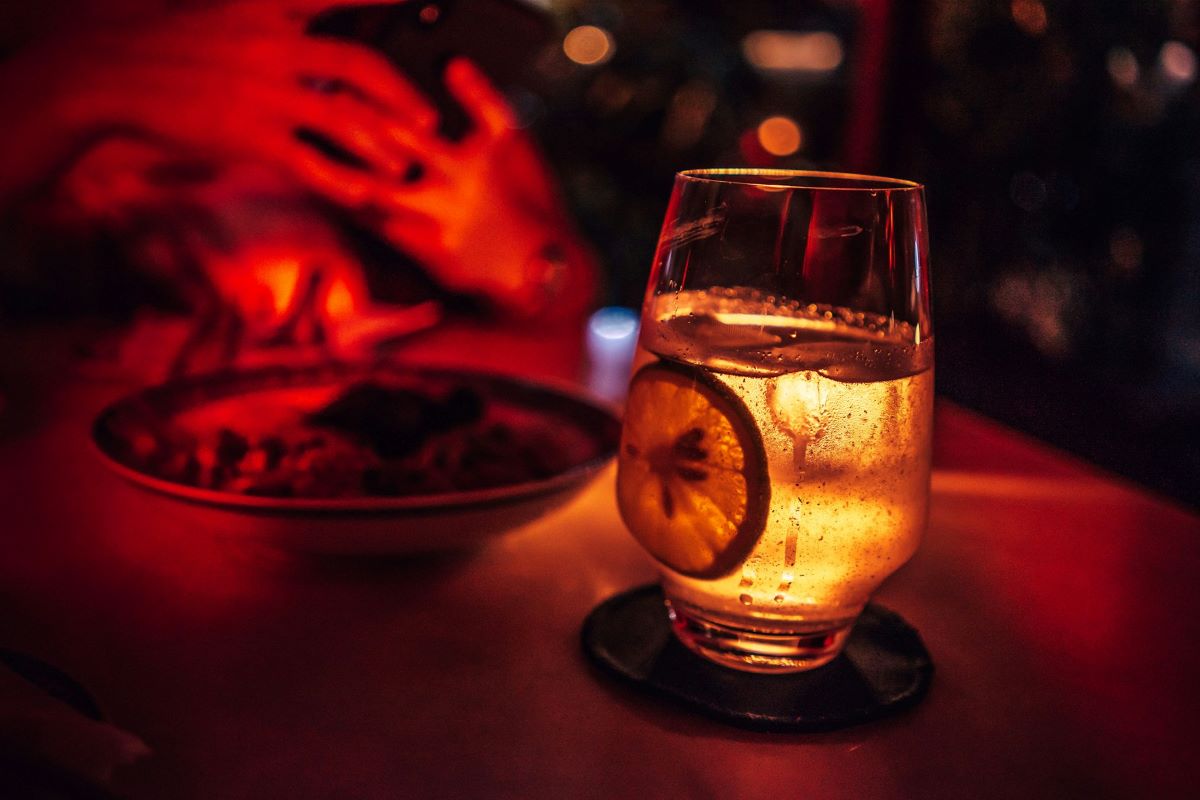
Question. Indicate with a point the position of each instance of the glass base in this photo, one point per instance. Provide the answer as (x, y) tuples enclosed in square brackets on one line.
[(770, 650)]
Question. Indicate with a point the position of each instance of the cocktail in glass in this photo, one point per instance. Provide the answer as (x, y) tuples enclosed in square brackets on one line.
[(775, 455)]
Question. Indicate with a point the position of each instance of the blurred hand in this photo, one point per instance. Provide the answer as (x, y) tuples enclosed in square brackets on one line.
[(236, 81), (233, 85), (484, 215)]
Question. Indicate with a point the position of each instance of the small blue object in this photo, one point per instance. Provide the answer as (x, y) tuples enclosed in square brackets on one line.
[(614, 322), (612, 334)]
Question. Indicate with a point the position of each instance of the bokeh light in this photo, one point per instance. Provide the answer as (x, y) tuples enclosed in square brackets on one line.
[(1122, 67), (1177, 62), (614, 323), (430, 14), (612, 334), (793, 51), (780, 136), (588, 45), (1030, 16)]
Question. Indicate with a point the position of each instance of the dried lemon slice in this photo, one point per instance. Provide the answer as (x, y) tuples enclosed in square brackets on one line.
[(692, 481)]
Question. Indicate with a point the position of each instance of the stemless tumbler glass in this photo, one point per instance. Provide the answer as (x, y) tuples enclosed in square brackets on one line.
[(776, 446)]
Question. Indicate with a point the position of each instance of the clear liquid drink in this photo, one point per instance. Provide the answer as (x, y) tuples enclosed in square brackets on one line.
[(840, 405), (775, 452)]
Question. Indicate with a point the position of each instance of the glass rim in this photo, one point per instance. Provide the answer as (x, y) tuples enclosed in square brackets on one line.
[(850, 181)]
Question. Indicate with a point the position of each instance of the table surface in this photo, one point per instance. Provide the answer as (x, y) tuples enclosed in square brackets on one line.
[(1060, 604)]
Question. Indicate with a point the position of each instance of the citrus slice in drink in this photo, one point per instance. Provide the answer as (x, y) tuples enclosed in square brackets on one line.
[(692, 481)]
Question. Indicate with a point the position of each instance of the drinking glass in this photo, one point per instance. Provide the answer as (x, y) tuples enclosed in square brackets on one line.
[(775, 453)]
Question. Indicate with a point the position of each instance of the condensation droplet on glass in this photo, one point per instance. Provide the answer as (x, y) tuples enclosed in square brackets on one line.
[(746, 600)]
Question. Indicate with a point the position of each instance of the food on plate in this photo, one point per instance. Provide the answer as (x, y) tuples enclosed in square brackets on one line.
[(372, 439)]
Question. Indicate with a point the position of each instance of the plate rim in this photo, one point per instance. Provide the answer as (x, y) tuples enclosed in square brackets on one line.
[(366, 505)]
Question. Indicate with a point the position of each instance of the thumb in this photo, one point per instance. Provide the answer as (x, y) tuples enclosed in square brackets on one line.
[(483, 102)]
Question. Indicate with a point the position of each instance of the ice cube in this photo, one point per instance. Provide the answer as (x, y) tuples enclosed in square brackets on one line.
[(797, 403)]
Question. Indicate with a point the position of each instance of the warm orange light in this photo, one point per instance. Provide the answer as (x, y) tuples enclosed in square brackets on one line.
[(340, 301), (278, 278), (780, 136), (793, 51), (274, 285), (1030, 16), (588, 45), (1177, 62), (1122, 66)]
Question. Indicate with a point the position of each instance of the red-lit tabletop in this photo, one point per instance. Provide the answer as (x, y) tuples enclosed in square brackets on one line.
[(1061, 606)]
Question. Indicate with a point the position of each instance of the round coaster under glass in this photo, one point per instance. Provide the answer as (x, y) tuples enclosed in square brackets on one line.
[(883, 669)]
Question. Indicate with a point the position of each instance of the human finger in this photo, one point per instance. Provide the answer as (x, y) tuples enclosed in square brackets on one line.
[(384, 139), (438, 159), (258, 119), (368, 134), (367, 72), (341, 185), (419, 236), (242, 55), (434, 204), (202, 108), (475, 93), (291, 58)]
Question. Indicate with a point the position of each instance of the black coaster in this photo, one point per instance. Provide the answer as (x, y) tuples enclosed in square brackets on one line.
[(883, 669)]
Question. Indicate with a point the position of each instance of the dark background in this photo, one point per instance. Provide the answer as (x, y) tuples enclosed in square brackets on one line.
[(1058, 141)]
